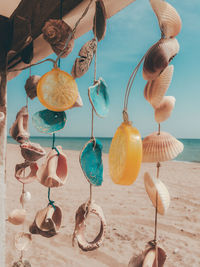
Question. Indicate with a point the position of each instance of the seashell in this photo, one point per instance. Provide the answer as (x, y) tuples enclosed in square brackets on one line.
[(99, 23), (31, 86), (53, 172), (19, 129), (160, 147), (78, 103), (155, 90), (136, 261), (81, 215), (2, 116), (56, 33), (163, 112), (158, 57), (32, 151), (20, 172), (99, 98), (91, 162), (156, 188), (168, 18), (47, 221), (25, 197), (82, 64), (22, 241), (47, 121), (21, 263), (17, 216)]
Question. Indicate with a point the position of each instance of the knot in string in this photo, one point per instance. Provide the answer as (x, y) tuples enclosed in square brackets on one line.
[(125, 116), (51, 202)]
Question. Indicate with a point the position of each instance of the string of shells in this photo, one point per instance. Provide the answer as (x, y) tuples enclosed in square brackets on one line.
[(159, 146)]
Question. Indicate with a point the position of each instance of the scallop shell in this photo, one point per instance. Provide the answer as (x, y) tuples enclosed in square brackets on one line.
[(53, 172), (17, 216), (47, 121), (99, 24), (155, 90), (99, 98), (20, 170), (2, 116), (163, 112), (91, 162), (19, 129), (25, 197), (31, 86), (158, 57), (22, 241), (47, 221), (80, 226), (32, 151), (156, 188), (162, 147), (168, 18)]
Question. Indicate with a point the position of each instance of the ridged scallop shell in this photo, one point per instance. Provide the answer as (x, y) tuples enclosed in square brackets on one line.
[(155, 90), (158, 57), (17, 216), (22, 241), (32, 151), (163, 112), (31, 86), (155, 187), (162, 147), (81, 215), (168, 18)]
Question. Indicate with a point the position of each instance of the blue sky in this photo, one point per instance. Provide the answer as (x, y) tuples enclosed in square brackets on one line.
[(129, 34)]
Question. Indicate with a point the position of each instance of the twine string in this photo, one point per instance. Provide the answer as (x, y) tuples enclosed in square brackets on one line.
[(51, 202), (53, 144)]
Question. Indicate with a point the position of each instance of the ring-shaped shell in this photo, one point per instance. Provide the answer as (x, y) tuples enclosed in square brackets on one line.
[(32, 151), (80, 226), (47, 121), (17, 216), (163, 112), (99, 98), (22, 241), (158, 57), (168, 18), (20, 172), (156, 188), (91, 162), (155, 90), (160, 147)]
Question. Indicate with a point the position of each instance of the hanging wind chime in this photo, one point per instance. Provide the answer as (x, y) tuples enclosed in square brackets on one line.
[(91, 155), (159, 146)]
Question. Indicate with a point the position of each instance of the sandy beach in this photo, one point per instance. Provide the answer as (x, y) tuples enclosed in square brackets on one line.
[(128, 211)]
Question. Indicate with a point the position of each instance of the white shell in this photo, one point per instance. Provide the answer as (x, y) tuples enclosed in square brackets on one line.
[(163, 112), (158, 57), (149, 258), (155, 186), (25, 197), (168, 18), (162, 147), (155, 90), (22, 241), (17, 216)]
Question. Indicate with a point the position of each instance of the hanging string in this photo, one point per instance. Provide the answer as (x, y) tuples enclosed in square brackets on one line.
[(158, 128), (53, 144), (51, 202)]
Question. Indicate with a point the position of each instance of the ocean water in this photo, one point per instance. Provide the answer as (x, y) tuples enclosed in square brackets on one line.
[(190, 153)]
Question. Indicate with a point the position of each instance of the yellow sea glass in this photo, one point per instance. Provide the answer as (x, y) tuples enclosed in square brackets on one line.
[(57, 90), (125, 154)]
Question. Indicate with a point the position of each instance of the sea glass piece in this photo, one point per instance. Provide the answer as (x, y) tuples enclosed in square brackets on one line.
[(99, 98), (91, 162), (125, 154), (47, 121)]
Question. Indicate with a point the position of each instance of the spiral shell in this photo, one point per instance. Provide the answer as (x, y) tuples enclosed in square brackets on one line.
[(163, 112)]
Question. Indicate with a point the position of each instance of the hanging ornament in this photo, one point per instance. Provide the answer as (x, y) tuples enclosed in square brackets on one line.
[(32, 151), (99, 24), (20, 172), (17, 216), (163, 112), (31, 86)]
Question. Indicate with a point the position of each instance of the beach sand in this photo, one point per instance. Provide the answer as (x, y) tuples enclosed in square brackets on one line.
[(128, 211)]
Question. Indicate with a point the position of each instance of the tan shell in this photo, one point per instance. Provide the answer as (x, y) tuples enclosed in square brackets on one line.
[(17, 216), (19, 129), (80, 226), (31, 86), (32, 151), (161, 147), (20, 172), (163, 112), (22, 241), (155, 186), (168, 18), (158, 58), (155, 90), (53, 172), (47, 221)]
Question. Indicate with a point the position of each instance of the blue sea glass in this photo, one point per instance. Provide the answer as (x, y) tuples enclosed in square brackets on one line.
[(47, 121), (99, 98), (91, 162)]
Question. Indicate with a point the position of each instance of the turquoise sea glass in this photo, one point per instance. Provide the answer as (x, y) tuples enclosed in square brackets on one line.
[(47, 121), (91, 162), (99, 98)]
